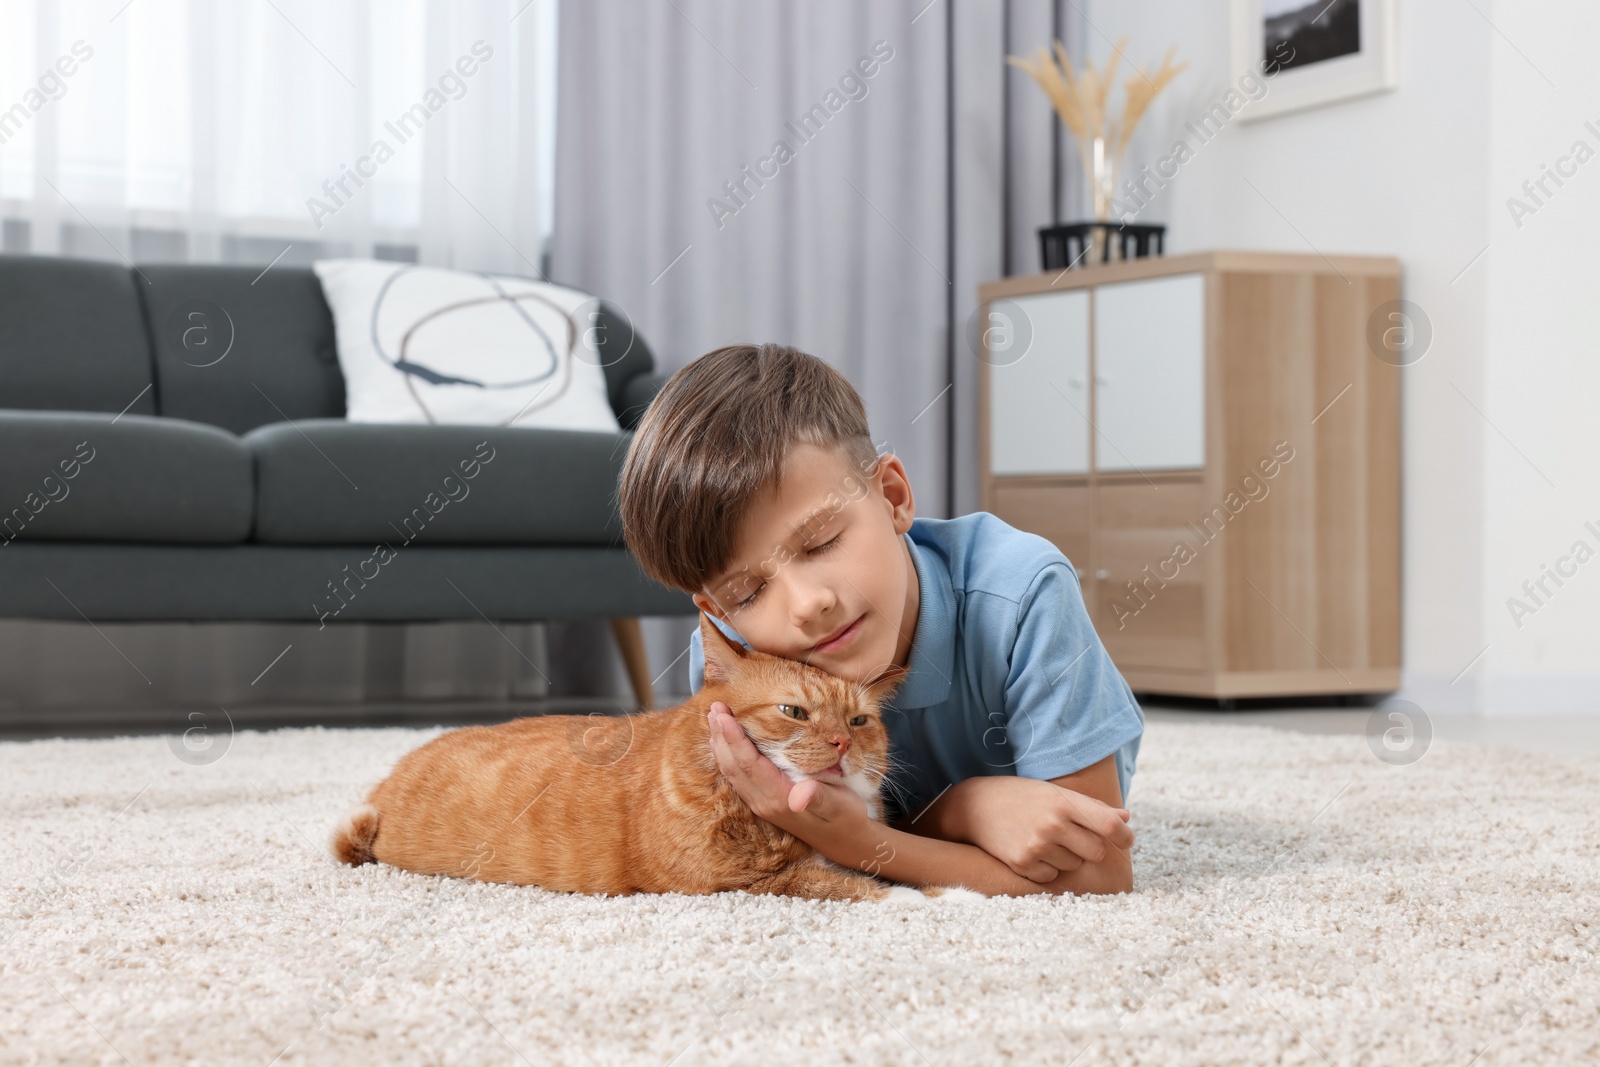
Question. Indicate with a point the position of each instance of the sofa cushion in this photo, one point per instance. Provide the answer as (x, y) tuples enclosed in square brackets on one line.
[(82, 477), (72, 337), (327, 481), (426, 345), (239, 348)]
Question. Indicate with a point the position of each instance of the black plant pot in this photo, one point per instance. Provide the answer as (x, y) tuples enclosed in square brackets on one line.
[(1068, 243)]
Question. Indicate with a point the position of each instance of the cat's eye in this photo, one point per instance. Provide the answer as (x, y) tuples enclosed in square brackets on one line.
[(794, 711), (859, 720)]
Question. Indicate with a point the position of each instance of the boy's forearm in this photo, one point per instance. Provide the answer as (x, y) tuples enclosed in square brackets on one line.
[(951, 815), (945, 817), (917, 860)]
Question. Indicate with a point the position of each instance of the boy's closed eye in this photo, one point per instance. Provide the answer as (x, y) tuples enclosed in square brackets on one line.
[(817, 551)]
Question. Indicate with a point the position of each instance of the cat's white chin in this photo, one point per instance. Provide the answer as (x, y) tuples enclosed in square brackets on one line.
[(861, 785), (858, 782)]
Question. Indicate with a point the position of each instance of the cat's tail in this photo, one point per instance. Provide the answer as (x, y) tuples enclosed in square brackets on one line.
[(353, 837)]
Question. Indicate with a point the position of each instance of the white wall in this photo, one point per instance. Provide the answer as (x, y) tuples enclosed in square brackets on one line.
[(1422, 173), (1543, 380)]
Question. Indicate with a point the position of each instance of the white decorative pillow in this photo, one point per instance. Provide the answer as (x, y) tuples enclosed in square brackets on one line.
[(424, 344)]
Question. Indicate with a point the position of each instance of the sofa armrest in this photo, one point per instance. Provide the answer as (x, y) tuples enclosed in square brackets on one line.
[(636, 396)]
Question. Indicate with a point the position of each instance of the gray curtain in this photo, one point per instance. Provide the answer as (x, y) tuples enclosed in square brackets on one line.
[(865, 246)]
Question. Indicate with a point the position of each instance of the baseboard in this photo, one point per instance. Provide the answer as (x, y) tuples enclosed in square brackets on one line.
[(1260, 684), (1440, 693), (1505, 694), (1541, 693)]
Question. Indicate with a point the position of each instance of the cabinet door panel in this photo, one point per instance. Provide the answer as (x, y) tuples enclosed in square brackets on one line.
[(1148, 599), (1149, 353), (1038, 395)]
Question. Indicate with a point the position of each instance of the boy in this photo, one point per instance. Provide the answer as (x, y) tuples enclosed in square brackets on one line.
[(753, 484)]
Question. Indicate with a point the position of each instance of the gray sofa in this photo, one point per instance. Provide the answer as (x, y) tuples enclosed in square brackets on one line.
[(152, 473)]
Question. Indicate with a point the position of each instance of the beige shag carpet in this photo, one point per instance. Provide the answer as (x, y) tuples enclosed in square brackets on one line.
[(1299, 901)]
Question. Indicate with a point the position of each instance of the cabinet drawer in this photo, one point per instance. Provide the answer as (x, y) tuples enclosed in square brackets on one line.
[(1058, 513), (1148, 598)]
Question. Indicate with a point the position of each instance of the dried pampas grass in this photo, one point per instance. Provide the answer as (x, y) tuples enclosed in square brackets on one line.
[(1082, 101)]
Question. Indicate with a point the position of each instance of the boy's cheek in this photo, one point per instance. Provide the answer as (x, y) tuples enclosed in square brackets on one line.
[(873, 652), (764, 625)]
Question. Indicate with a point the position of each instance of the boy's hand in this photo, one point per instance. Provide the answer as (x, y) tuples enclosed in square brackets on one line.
[(770, 793), (1038, 828)]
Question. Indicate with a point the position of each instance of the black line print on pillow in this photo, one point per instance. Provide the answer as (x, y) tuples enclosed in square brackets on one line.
[(411, 370)]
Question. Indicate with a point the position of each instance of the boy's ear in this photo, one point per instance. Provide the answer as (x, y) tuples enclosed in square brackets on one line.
[(705, 603), (724, 658), (894, 488), (886, 684)]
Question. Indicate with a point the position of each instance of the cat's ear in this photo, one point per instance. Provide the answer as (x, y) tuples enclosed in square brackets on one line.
[(724, 658), (887, 683)]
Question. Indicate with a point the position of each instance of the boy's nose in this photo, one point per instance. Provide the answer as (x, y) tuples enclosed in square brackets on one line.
[(810, 603)]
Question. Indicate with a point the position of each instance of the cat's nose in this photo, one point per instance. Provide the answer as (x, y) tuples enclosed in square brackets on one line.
[(840, 742)]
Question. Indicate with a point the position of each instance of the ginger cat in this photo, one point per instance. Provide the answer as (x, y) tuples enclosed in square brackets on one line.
[(636, 804)]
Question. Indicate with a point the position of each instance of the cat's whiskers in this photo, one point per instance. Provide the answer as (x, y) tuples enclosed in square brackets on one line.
[(893, 763), (895, 790)]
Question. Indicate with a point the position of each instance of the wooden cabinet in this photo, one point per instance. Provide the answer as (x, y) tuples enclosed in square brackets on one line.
[(1054, 509), (1211, 443)]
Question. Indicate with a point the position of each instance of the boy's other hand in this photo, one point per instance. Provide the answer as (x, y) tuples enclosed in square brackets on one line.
[(754, 777), (768, 791), (1038, 828)]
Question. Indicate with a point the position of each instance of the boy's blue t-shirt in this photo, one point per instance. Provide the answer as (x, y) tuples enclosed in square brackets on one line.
[(1007, 674)]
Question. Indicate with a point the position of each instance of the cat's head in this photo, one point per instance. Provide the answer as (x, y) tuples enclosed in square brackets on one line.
[(808, 722)]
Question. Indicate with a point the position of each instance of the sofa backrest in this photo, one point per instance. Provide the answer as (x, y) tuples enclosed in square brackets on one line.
[(230, 346), (72, 337), (618, 336), (238, 348)]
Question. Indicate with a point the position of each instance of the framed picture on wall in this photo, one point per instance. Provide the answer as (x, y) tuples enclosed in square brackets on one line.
[(1315, 52)]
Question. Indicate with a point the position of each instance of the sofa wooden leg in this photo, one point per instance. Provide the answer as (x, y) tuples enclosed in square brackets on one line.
[(630, 642)]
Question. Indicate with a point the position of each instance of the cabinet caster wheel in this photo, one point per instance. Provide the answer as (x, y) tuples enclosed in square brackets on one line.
[(1227, 704)]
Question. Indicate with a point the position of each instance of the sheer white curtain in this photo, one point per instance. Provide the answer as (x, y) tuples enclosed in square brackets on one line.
[(191, 129), (257, 131)]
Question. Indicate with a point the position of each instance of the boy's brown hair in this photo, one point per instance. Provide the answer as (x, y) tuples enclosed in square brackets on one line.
[(714, 440)]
